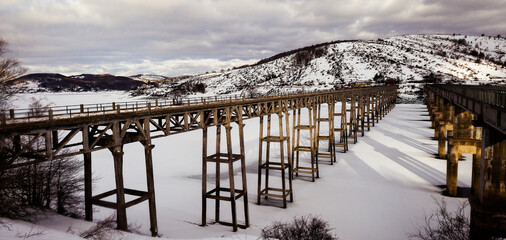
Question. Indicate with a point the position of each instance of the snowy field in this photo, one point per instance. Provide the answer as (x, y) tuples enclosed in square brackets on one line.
[(382, 188)]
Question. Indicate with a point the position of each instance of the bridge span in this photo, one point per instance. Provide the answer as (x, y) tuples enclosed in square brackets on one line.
[(472, 120), (31, 137), (467, 120)]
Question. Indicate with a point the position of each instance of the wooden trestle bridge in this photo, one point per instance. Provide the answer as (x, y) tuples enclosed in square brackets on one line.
[(29, 138)]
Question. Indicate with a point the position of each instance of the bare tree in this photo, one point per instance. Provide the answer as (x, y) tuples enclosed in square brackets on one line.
[(50, 183), (10, 69), (445, 224)]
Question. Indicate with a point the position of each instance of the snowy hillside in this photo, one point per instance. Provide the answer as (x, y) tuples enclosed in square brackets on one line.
[(410, 60), (148, 77)]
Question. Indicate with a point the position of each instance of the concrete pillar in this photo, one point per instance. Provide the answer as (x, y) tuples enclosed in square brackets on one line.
[(445, 127), (466, 139), (452, 167), (488, 203), (437, 115)]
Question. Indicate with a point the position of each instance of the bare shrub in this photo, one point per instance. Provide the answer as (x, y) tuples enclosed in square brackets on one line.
[(102, 230), (38, 107), (444, 224), (301, 228), (32, 233)]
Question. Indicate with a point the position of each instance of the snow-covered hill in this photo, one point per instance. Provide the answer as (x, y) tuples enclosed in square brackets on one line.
[(410, 60), (148, 78)]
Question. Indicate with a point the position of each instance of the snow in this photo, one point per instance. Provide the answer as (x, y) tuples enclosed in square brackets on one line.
[(407, 58), (148, 77), (381, 189), (23, 100)]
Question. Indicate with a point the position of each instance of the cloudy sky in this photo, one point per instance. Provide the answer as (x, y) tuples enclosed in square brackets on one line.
[(173, 37)]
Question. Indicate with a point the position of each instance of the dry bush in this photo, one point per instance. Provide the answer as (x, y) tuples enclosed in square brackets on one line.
[(32, 233), (102, 230), (301, 228), (443, 224)]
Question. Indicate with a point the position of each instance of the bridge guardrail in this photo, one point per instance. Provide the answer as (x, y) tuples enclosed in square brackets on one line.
[(72, 111), (493, 95)]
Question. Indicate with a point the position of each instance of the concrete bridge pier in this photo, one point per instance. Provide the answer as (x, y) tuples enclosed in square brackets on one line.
[(488, 199), (445, 128), (466, 139), (437, 115)]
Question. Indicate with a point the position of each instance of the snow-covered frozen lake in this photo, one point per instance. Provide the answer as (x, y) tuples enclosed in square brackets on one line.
[(382, 188)]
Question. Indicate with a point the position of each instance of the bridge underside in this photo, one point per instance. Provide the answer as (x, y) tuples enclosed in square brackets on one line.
[(471, 119)]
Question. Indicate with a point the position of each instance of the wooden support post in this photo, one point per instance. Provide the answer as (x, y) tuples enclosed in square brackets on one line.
[(368, 111), (243, 168), (360, 113), (260, 161), (228, 128), (352, 124), (88, 179), (218, 174), (148, 156), (289, 153), (204, 176), (117, 152), (121, 216)]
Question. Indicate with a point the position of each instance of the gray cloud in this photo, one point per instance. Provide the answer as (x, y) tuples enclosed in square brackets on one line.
[(187, 37)]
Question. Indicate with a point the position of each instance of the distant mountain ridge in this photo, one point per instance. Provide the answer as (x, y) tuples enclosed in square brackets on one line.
[(54, 82), (410, 60)]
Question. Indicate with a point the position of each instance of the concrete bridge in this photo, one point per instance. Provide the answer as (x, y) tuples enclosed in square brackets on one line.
[(472, 120)]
